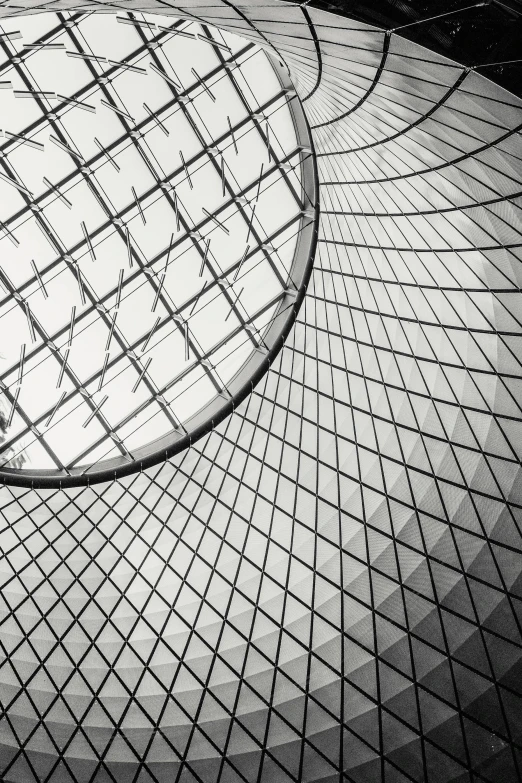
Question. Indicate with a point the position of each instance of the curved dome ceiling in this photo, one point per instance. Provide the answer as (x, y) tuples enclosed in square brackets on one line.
[(326, 586)]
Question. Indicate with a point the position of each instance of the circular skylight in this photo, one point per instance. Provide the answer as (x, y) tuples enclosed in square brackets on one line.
[(156, 219)]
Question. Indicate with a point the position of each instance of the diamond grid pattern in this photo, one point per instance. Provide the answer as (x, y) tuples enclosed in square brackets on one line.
[(327, 586)]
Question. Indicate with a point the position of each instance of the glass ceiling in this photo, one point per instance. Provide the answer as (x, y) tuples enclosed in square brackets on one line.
[(151, 202)]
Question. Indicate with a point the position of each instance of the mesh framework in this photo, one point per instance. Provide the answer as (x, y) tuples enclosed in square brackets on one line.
[(327, 587), (160, 290)]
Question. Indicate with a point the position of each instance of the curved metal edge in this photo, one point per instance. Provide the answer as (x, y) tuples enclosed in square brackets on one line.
[(81, 478)]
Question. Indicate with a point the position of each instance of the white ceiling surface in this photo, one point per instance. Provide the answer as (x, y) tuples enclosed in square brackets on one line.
[(340, 559)]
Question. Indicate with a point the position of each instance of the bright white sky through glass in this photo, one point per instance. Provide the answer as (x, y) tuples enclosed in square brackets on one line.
[(126, 217)]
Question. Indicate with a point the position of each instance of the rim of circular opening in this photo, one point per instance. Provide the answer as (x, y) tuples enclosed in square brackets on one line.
[(249, 374)]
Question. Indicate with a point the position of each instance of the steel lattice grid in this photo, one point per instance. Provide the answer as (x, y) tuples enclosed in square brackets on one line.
[(171, 196)]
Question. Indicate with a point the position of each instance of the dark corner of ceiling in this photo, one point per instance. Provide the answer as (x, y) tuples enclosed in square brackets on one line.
[(479, 33)]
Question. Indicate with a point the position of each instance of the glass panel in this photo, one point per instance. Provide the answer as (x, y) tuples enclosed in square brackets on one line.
[(111, 292)]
